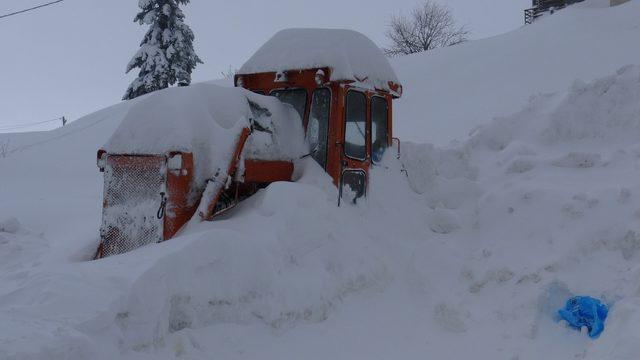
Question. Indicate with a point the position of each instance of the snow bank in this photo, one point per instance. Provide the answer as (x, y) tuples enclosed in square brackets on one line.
[(182, 119), (350, 55), (459, 252), (448, 92), (228, 274), (563, 173), (10, 226), (605, 111)]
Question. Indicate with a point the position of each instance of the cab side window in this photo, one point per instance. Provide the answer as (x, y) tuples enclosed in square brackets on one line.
[(355, 145), (294, 97), (318, 127), (379, 127)]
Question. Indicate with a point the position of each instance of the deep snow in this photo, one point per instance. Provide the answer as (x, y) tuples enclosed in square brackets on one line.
[(448, 92), (458, 252)]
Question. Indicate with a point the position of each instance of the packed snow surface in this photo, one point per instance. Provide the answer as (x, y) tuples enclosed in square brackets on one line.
[(350, 55), (458, 252)]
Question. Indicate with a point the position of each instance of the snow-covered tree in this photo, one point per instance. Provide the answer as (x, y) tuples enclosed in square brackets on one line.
[(166, 54)]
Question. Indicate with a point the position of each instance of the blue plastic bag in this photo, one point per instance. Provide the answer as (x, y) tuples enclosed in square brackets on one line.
[(585, 311)]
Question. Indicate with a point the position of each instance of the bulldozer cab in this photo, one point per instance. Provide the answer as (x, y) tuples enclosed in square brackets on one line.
[(348, 127), (347, 118)]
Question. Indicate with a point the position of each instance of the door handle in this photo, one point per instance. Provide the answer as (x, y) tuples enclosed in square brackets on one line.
[(163, 205)]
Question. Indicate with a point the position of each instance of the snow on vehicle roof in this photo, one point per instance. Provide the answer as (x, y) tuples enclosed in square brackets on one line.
[(207, 120), (179, 119), (349, 54)]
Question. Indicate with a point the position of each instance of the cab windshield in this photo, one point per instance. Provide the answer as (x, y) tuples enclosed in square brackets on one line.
[(294, 97)]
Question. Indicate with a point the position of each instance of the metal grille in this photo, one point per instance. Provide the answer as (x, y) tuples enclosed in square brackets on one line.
[(132, 197)]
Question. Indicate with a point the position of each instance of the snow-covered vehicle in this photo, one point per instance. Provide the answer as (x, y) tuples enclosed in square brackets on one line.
[(200, 150)]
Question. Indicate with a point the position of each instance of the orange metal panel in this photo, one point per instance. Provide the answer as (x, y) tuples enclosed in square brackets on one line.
[(266, 82), (179, 209), (336, 133), (257, 171)]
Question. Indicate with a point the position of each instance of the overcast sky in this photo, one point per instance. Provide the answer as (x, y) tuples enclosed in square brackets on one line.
[(69, 58)]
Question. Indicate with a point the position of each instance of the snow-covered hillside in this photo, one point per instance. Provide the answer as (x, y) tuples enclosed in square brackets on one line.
[(466, 254), (465, 86)]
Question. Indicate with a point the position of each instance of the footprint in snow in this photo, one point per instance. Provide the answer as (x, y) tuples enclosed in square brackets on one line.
[(578, 160), (443, 221), (450, 318), (520, 166), (10, 226)]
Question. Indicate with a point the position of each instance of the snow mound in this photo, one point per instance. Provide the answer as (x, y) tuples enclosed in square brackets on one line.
[(450, 91), (459, 252), (350, 55), (11, 226), (181, 119), (18, 243), (562, 171), (598, 113), (207, 120)]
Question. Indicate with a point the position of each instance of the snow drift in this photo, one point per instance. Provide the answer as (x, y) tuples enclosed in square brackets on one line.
[(436, 255), (448, 92), (477, 244)]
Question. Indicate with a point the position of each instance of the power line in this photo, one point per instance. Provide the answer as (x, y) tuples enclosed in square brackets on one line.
[(22, 126), (30, 9)]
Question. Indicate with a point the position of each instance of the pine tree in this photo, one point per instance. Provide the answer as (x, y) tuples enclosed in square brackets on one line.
[(166, 54)]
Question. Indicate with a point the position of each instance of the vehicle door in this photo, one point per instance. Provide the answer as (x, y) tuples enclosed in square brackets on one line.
[(356, 157)]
